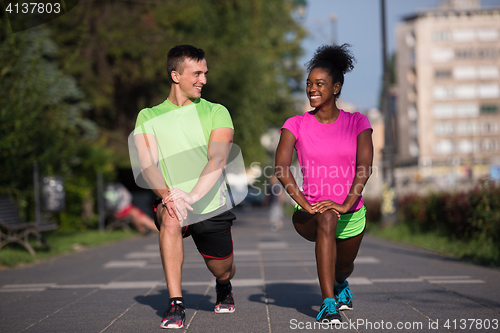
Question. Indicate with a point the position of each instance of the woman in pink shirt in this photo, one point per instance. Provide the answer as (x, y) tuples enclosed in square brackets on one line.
[(335, 153)]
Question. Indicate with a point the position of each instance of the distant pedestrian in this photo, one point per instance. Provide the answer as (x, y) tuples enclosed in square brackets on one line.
[(275, 200), (335, 152), (189, 138), (119, 199)]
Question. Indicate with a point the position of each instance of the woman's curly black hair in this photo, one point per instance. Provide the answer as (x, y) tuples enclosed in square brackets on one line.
[(336, 59)]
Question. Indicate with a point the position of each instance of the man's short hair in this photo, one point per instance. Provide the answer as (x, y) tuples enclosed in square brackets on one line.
[(178, 54)]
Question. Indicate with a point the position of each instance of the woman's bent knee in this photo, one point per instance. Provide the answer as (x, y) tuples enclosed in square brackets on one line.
[(344, 267), (328, 216), (327, 222)]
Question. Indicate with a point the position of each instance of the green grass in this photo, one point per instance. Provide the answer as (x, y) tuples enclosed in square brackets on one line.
[(479, 250), (59, 243)]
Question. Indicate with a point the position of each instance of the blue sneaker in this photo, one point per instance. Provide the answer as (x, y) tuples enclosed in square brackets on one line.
[(344, 295), (329, 312)]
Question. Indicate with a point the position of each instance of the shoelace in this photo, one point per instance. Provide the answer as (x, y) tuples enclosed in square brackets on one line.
[(330, 306), (174, 310), (344, 294), (228, 300)]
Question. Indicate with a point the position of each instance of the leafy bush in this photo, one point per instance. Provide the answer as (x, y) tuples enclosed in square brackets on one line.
[(458, 215), (486, 211), (373, 210), (465, 224)]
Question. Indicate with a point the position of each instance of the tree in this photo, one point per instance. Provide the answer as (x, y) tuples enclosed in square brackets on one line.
[(41, 121), (117, 52)]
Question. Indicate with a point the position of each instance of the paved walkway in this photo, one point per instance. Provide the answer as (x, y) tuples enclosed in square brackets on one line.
[(120, 288)]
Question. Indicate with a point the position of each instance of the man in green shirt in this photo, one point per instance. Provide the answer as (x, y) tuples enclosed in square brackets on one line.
[(183, 146)]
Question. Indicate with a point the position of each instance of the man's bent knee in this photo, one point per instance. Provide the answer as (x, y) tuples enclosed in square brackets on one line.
[(224, 277), (167, 223), (227, 275), (223, 269)]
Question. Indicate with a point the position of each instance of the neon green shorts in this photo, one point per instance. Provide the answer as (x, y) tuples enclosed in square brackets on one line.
[(349, 225)]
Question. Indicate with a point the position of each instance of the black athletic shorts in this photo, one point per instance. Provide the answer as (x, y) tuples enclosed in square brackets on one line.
[(212, 236)]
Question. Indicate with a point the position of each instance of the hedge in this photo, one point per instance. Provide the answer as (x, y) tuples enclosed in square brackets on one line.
[(461, 215)]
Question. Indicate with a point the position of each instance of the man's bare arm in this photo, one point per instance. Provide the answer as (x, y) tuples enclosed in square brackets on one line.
[(148, 159), (219, 147)]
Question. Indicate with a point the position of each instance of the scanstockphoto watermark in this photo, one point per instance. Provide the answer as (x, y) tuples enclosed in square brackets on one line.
[(320, 172), (362, 324)]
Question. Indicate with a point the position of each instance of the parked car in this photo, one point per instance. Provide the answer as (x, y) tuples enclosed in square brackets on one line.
[(254, 198)]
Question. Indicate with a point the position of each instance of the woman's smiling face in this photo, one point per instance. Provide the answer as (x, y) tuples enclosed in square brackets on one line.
[(320, 88)]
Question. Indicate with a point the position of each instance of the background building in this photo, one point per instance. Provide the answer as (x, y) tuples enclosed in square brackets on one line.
[(448, 95)]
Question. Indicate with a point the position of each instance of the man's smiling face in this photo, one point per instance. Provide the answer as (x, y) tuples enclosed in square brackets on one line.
[(192, 77)]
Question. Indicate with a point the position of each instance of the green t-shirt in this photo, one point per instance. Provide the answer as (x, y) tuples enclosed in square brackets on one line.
[(182, 134)]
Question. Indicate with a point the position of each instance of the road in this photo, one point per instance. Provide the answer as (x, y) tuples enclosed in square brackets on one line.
[(120, 287)]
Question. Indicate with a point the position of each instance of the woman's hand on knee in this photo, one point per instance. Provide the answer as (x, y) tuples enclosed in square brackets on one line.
[(324, 205)]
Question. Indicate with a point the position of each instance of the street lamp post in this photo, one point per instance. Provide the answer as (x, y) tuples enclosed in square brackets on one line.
[(36, 186), (333, 23), (388, 209), (100, 202)]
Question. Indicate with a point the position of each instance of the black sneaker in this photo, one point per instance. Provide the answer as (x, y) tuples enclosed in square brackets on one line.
[(329, 312), (225, 301), (344, 296), (174, 316)]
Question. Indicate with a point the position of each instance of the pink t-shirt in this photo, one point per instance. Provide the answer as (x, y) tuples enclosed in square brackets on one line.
[(327, 154)]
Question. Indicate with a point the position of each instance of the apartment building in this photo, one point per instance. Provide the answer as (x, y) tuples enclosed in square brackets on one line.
[(448, 89)]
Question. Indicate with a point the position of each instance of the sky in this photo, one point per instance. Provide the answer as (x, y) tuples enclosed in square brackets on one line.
[(358, 24)]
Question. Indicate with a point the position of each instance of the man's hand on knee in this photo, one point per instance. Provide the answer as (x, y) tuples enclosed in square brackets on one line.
[(181, 209), (167, 215)]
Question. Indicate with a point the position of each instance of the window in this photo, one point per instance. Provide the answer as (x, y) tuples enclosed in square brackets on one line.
[(490, 145), (443, 128), (467, 128), (489, 109), (413, 57), (487, 35), (467, 110), (465, 92), (465, 54), (412, 95), (412, 112), (476, 146), (411, 77), (488, 72), (442, 73), (414, 130), (487, 53), (443, 147), (443, 111), (464, 72), (443, 92), (410, 39), (442, 55), (463, 35), (489, 91), (413, 148), (441, 36), (490, 128), (465, 146)]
